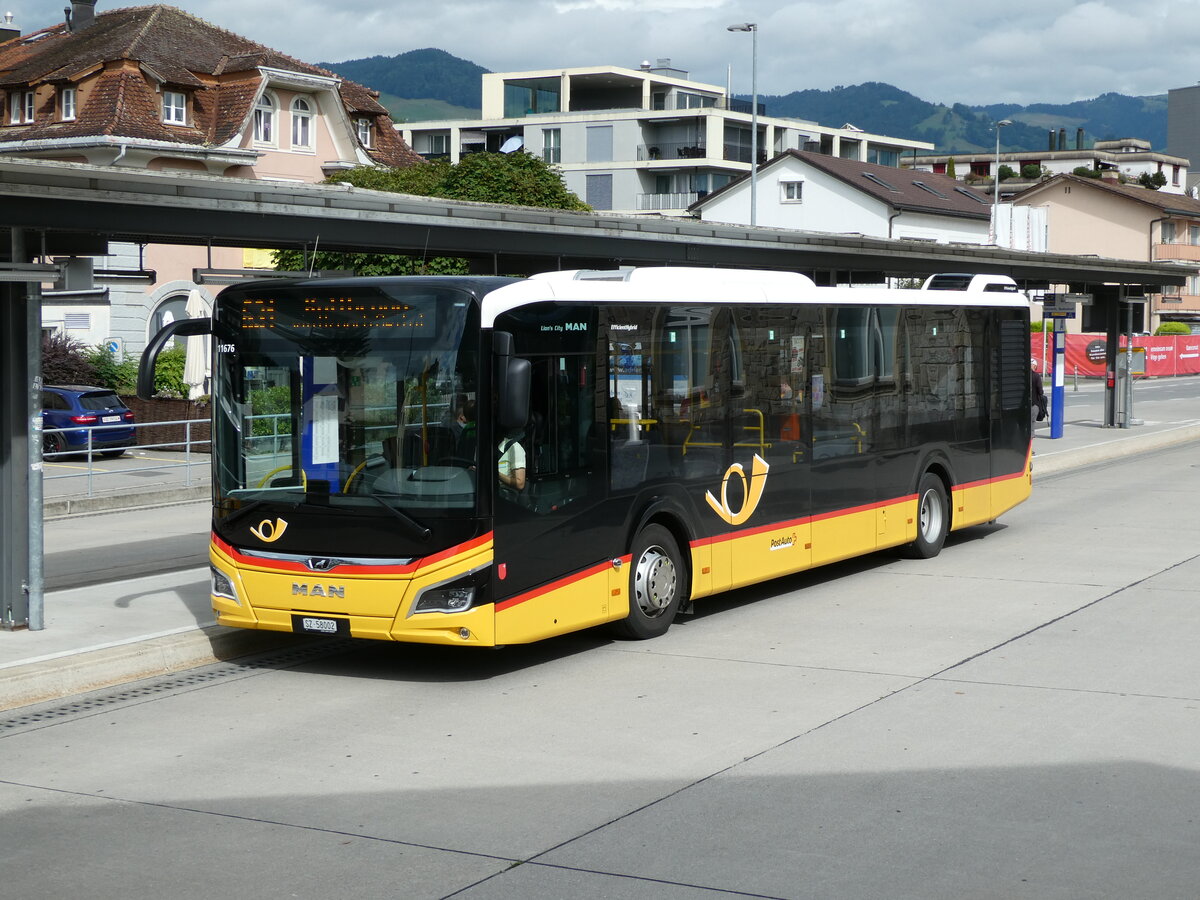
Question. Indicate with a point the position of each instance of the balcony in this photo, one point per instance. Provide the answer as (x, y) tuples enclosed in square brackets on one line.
[(654, 202), (682, 150), (741, 153), (1186, 252)]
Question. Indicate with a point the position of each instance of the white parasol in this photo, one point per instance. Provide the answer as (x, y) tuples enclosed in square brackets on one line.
[(197, 364)]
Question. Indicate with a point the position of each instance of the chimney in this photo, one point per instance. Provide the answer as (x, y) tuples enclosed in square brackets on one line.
[(1078, 138), (81, 14), (1052, 139), (1062, 139), (8, 30)]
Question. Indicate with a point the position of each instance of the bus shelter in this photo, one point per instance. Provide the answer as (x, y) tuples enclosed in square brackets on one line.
[(52, 210)]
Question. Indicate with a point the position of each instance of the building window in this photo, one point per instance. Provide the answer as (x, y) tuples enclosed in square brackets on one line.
[(439, 144), (66, 104), (174, 107), (264, 120), (1194, 235), (363, 129), (791, 191), (1175, 176), (883, 157), (301, 123), (552, 145), (20, 107), (1167, 233)]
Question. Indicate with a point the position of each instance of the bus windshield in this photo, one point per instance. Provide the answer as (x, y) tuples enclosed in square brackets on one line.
[(347, 397)]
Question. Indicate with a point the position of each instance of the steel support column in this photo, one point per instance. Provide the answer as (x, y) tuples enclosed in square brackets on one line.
[(21, 574)]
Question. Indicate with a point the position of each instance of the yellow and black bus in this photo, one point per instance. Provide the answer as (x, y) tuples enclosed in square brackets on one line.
[(488, 461)]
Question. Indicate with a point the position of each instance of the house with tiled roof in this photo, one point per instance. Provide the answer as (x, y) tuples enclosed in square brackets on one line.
[(1102, 217), (809, 191), (157, 88)]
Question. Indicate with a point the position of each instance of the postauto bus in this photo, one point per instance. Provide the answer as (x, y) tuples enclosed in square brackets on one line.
[(487, 461)]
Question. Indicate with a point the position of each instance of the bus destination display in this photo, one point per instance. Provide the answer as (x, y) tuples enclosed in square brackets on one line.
[(329, 313)]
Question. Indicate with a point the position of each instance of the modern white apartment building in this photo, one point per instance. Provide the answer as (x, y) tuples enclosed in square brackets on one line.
[(1127, 158), (646, 140)]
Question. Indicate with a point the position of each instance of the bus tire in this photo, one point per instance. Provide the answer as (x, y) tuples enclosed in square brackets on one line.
[(933, 518), (656, 583)]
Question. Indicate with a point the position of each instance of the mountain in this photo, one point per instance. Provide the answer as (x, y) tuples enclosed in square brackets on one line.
[(884, 109), (433, 84), (428, 74)]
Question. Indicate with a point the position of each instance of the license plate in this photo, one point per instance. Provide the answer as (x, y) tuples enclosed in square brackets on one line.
[(110, 419), (315, 625)]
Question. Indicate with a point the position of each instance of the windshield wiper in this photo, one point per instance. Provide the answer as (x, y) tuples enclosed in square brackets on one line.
[(414, 528)]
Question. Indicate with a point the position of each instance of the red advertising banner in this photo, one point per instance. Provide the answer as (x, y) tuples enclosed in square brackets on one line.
[(1166, 355)]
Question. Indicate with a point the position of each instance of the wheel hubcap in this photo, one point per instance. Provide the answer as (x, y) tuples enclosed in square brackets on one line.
[(654, 581), (931, 516)]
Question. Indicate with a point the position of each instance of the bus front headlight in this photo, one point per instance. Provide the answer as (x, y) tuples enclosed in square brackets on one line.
[(457, 595), (222, 585)]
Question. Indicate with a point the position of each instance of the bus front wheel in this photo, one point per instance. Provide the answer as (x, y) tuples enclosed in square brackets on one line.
[(656, 583), (933, 518)]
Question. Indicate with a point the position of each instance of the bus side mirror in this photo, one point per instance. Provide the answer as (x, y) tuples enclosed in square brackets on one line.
[(514, 402), (513, 380), (178, 328)]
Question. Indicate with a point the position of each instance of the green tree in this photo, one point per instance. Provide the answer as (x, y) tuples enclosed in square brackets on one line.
[(1031, 172), (514, 178), (950, 168), (1006, 172)]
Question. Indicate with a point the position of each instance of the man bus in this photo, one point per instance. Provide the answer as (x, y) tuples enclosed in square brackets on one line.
[(678, 432)]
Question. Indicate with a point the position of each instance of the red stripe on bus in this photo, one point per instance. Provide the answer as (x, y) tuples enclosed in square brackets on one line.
[(837, 513), (281, 565), (557, 585)]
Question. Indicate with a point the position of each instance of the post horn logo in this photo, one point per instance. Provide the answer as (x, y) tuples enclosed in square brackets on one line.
[(269, 532), (752, 492)]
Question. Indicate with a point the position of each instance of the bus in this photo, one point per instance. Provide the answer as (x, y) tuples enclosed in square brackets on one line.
[(484, 461)]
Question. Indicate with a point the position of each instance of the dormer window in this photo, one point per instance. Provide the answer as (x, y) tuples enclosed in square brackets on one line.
[(66, 104), (264, 120), (174, 108), (20, 107), (301, 124), (363, 128)]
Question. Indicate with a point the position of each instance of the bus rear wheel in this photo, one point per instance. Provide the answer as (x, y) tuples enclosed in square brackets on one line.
[(656, 583), (933, 518)]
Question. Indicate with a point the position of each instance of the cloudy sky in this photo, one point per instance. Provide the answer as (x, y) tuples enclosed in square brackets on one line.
[(1052, 51)]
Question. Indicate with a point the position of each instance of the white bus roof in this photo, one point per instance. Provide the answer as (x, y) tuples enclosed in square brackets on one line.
[(672, 284)]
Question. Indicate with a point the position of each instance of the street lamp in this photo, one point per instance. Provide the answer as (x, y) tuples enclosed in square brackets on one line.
[(1003, 123), (753, 29)]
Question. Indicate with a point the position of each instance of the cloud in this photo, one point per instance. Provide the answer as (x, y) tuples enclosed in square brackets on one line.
[(1025, 51)]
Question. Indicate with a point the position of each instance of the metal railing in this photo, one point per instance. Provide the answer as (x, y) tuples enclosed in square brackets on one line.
[(681, 200), (671, 150), (90, 450)]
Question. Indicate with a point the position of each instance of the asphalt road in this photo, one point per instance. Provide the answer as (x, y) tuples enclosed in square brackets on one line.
[(1015, 718)]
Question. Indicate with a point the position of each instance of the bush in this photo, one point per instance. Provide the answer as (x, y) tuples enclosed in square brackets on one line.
[(65, 360), (1031, 172), (1173, 328), (1006, 172), (1085, 172), (1152, 182), (1038, 327), (168, 374), (120, 374)]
